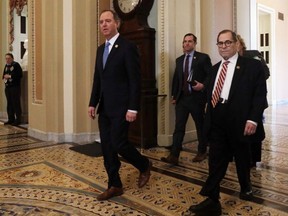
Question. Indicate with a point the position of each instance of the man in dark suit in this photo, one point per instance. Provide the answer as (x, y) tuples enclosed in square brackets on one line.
[(188, 93), (256, 147), (231, 121), (116, 91), (12, 75)]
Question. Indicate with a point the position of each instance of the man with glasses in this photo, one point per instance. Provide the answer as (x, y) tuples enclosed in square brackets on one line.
[(236, 100), (189, 97)]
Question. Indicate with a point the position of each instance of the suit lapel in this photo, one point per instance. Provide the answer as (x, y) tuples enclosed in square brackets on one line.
[(101, 55), (194, 60), (181, 74), (113, 50), (236, 77)]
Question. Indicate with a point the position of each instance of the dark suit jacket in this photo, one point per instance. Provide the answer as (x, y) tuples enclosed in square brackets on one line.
[(201, 66), (258, 56), (16, 74), (116, 88), (246, 100)]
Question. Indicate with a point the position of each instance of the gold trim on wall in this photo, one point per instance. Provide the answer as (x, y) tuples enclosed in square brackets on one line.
[(97, 21), (162, 74), (36, 73)]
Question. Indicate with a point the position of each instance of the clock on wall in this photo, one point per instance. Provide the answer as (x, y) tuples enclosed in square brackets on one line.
[(129, 9), (126, 6)]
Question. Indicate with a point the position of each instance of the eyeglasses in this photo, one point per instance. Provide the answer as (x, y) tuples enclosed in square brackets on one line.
[(227, 43)]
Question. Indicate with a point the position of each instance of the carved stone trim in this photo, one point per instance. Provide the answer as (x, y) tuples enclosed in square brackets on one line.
[(97, 21), (32, 38), (163, 69), (18, 5)]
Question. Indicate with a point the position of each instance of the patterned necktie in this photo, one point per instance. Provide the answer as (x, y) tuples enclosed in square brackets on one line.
[(106, 53), (186, 75), (219, 85)]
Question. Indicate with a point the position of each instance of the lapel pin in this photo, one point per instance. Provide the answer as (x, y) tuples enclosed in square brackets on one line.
[(238, 67), (116, 46)]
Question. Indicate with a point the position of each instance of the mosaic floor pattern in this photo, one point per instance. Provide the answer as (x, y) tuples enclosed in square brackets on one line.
[(49, 179)]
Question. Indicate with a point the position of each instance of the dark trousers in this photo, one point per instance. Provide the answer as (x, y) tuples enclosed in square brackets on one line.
[(222, 147), (256, 152), (185, 106), (14, 111), (114, 141)]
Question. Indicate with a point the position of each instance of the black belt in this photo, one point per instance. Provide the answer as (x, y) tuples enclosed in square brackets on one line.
[(223, 101)]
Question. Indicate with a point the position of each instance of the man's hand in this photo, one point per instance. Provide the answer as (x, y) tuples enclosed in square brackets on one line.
[(91, 112), (198, 87), (7, 76), (131, 116), (250, 129)]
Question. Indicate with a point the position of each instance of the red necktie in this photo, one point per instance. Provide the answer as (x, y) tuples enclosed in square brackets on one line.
[(186, 74), (219, 85)]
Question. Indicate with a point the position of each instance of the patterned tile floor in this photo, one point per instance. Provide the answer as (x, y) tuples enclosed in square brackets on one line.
[(46, 178)]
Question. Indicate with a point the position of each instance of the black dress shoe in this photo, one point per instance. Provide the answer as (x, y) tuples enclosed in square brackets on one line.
[(204, 192), (170, 159), (8, 122), (248, 195), (207, 207), (16, 123), (253, 164)]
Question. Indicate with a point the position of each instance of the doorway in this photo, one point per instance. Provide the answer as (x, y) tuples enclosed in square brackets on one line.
[(266, 35)]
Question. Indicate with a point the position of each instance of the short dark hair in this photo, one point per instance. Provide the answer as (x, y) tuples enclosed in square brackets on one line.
[(190, 34), (115, 15), (234, 35), (10, 54)]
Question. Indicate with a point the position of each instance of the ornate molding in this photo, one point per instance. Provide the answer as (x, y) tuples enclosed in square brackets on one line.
[(163, 69), (33, 53), (18, 5), (97, 21)]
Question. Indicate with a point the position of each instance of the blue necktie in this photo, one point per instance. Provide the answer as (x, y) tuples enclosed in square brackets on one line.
[(106, 53)]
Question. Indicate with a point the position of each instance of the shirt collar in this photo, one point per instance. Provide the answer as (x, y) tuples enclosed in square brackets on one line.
[(232, 59), (113, 39), (190, 53)]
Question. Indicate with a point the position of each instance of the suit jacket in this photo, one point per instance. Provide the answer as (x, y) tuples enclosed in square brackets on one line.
[(258, 56), (246, 100), (16, 74), (201, 65), (116, 88)]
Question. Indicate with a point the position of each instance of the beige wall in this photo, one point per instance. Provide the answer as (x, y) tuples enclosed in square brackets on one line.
[(172, 25), (64, 36), (65, 51), (280, 44), (4, 49), (204, 18), (45, 68), (216, 15)]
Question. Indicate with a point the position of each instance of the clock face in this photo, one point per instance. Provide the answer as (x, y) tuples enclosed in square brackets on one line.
[(127, 6)]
